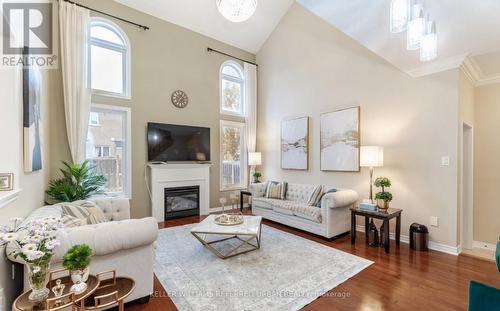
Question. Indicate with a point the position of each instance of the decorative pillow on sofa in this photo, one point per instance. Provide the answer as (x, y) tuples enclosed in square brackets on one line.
[(315, 195), (276, 190), (318, 204), (70, 221), (84, 210)]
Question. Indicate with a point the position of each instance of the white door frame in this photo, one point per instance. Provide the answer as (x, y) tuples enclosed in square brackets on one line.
[(467, 187)]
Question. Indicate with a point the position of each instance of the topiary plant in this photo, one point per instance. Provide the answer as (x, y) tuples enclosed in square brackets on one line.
[(256, 177), (383, 182), (77, 257), (78, 183)]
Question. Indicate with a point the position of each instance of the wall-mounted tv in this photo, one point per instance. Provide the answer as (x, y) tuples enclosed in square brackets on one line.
[(170, 142)]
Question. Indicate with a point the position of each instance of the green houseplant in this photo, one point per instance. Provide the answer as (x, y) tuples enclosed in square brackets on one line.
[(77, 260), (78, 183), (256, 177), (383, 197)]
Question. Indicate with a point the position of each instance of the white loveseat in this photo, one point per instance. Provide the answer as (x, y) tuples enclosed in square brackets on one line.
[(122, 244), (329, 220)]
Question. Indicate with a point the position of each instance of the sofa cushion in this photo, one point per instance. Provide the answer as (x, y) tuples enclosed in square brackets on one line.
[(276, 190), (263, 203), (70, 221), (318, 203), (283, 207), (308, 212), (84, 210)]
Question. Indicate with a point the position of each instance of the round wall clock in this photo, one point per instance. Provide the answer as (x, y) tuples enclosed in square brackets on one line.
[(179, 99)]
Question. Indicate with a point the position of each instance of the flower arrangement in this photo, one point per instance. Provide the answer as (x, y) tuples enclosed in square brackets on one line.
[(35, 247)]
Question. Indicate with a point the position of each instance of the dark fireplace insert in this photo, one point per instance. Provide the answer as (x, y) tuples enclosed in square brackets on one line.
[(182, 202)]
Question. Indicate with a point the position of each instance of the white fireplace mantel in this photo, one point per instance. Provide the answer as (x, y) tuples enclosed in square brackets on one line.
[(170, 175)]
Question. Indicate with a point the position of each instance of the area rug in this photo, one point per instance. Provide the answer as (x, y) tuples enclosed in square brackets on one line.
[(286, 273)]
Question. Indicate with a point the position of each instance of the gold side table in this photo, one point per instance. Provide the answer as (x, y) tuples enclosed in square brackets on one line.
[(111, 291), (53, 303)]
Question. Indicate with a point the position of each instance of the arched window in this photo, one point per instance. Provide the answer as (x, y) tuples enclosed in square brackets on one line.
[(232, 89), (109, 59)]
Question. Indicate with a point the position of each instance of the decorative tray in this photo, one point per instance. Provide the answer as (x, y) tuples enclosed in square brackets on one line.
[(229, 219)]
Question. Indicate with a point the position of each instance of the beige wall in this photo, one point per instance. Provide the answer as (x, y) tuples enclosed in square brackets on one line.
[(307, 67), (487, 164), (163, 59)]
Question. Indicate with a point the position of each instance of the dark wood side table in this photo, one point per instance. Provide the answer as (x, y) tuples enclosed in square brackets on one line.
[(378, 214), (242, 193)]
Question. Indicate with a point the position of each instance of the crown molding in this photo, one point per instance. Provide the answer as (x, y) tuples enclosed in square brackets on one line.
[(476, 76), (437, 66)]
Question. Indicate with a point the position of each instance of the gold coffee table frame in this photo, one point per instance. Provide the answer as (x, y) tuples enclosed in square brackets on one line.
[(245, 238)]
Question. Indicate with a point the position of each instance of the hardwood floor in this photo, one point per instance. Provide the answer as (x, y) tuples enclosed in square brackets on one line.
[(401, 280)]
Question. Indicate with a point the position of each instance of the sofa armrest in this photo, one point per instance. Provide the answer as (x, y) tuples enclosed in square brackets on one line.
[(114, 208), (258, 190), (340, 198)]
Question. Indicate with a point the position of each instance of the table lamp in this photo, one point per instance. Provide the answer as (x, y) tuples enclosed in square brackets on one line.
[(372, 156), (255, 159)]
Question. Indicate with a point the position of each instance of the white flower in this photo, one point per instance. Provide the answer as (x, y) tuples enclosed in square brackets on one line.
[(36, 238), (51, 244), (36, 269), (9, 236), (29, 248), (34, 255)]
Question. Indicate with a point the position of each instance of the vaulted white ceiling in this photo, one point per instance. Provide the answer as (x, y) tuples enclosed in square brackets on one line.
[(203, 17), (464, 28)]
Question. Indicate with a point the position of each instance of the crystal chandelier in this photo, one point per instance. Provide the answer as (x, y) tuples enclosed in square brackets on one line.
[(428, 43), (421, 32), (416, 27), (400, 11), (237, 11)]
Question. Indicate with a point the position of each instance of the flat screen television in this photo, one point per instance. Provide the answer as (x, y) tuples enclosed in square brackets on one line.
[(170, 142)]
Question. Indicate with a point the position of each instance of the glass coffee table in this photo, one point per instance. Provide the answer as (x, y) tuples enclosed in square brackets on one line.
[(229, 241)]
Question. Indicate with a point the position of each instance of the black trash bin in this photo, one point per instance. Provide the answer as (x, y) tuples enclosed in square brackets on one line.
[(419, 237)]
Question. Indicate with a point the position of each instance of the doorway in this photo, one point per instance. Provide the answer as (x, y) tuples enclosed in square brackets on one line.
[(467, 213)]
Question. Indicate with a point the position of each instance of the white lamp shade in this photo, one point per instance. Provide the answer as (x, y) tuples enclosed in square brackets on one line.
[(372, 156), (254, 158)]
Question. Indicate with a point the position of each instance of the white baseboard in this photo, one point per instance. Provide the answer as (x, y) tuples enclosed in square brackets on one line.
[(452, 250), (484, 245)]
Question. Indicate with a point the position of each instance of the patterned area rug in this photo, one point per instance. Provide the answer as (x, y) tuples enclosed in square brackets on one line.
[(286, 273)]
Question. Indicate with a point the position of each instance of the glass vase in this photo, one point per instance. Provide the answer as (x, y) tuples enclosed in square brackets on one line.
[(38, 277)]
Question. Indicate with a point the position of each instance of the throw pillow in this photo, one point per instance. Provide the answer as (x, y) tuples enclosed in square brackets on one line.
[(84, 210), (276, 190), (314, 195), (70, 221), (318, 204)]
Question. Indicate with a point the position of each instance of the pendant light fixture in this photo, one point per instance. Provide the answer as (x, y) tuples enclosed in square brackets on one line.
[(428, 43), (237, 11), (400, 14), (416, 27)]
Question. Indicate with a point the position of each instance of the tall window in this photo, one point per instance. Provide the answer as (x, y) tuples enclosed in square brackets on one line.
[(232, 89), (233, 155), (109, 55), (108, 146)]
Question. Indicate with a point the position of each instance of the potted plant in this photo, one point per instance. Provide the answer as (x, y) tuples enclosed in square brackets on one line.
[(35, 248), (383, 197), (78, 183), (77, 260), (256, 177)]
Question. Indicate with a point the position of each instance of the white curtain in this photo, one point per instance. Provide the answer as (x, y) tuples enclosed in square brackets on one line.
[(73, 32), (251, 109)]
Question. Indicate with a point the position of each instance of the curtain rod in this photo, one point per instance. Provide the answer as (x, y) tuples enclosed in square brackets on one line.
[(106, 14), (229, 55)]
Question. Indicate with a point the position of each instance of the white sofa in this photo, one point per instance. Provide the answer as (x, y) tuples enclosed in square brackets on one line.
[(122, 244), (329, 220)]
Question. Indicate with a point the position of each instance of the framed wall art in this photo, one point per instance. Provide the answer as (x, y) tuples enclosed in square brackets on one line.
[(295, 143), (340, 140)]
